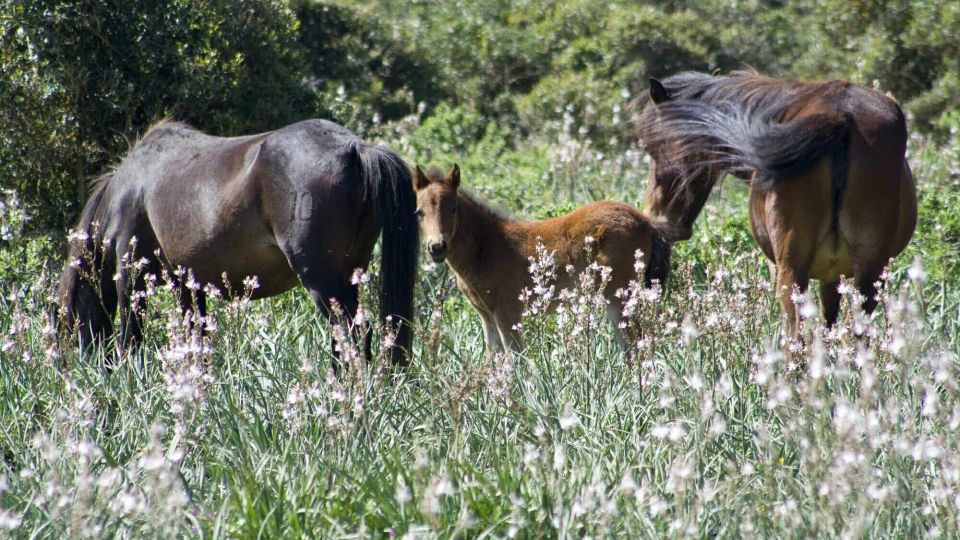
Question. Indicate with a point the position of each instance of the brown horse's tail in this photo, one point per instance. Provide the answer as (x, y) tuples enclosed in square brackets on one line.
[(780, 150), (389, 186), (658, 267), (86, 296), (750, 139)]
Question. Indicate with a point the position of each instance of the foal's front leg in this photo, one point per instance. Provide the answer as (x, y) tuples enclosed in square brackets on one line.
[(490, 334), (510, 336)]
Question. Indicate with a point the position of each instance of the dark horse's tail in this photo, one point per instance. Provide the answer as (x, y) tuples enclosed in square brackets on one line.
[(658, 267), (87, 298), (389, 186)]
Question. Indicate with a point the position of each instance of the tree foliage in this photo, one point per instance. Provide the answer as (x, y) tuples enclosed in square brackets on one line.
[(908, 48), (79, 80)]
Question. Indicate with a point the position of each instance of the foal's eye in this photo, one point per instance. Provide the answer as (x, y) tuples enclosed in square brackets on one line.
[(453, 209)]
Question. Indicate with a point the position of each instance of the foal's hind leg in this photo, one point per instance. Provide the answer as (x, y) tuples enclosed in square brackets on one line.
[(615, 316)]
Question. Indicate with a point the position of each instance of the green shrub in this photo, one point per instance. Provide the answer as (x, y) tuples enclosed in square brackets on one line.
[(82, 80)]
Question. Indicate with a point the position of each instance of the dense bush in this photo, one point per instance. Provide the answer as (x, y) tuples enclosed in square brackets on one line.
[(82, 79), (910, 49), (356, 54)]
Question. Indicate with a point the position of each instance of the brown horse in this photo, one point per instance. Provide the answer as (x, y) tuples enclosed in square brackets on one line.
[(490, 254), (831, 193), (303, 203)]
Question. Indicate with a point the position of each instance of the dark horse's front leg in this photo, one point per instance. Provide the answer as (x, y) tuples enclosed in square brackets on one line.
[(131, 298)]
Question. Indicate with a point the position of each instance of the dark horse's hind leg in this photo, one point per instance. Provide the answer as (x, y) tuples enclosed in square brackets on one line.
[(324, 262), (338, 300), (193, 304), (198, 306)]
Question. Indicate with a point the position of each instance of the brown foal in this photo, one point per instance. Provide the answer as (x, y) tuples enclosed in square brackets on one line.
[(490, 254)]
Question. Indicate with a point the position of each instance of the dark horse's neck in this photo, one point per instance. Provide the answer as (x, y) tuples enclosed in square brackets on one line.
[(479, 228)]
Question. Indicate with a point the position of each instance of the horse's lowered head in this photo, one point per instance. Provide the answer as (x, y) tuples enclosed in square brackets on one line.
[(681, 175), (437, 202)]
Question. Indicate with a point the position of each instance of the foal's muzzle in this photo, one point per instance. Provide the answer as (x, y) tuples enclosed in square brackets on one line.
[(437, 250)]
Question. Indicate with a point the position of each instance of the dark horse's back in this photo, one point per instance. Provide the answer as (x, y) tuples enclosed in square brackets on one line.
[(305, 203)]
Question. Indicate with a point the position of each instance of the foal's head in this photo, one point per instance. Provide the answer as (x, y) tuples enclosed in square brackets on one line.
[(437, 201)]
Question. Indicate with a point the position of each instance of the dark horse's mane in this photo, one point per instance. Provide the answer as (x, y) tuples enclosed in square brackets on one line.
[(733, 123), (92, 213)]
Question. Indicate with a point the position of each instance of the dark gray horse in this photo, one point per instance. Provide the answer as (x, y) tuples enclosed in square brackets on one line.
[(303, 203)]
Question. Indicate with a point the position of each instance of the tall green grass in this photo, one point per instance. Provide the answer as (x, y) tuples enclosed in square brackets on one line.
[(708, 431)]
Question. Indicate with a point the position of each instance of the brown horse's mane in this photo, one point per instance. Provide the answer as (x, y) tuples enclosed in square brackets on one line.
[(436, 175), (746, 88), (698, 101)]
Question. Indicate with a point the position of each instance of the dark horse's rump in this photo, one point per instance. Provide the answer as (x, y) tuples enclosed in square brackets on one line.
[(303, 203)]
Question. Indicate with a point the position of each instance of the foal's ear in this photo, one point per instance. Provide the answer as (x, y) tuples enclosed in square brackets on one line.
[(420, 180), (658, 93), (454, 176)]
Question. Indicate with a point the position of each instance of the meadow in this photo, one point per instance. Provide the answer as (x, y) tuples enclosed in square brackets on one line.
[(710, 431)]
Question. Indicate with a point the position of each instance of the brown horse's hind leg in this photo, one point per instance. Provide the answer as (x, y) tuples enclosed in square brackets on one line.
[(867, 285), (830, 302), (787, 280)]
